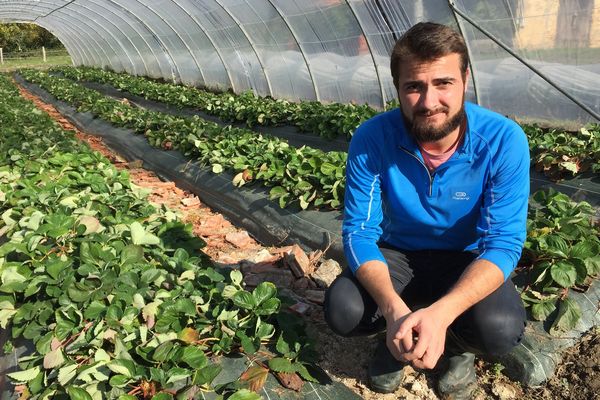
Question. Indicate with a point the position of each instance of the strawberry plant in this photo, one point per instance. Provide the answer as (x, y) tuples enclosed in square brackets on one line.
[(561, 154), (305, 176), (558, 154), (115, 296), (561, 254)]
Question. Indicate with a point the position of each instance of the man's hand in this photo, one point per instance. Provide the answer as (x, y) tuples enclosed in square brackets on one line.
[(425, 332), (396, 345)]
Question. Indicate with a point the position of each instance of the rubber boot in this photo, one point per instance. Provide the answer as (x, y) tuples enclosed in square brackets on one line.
[(385, 372), (459, 381)]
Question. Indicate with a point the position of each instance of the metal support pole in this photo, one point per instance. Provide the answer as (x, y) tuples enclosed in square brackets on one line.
[(44, 53), (1, 56)]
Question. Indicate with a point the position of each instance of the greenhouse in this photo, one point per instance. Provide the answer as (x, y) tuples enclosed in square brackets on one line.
[(172, 202)]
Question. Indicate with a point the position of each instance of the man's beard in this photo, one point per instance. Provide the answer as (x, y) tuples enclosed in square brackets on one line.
[(423, 132)]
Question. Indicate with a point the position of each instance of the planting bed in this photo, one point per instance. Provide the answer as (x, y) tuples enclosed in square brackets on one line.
[(111, 297)]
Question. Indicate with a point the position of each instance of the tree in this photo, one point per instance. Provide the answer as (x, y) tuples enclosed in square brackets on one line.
[(23, 37)]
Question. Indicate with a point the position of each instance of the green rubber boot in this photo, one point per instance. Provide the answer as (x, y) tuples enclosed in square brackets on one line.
[(385, 372), (459, 382)]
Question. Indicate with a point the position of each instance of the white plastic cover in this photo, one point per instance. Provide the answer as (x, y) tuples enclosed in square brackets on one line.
[(533, 59)]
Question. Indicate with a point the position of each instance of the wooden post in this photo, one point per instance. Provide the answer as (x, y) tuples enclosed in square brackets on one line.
[(1, 56), (44, 53)]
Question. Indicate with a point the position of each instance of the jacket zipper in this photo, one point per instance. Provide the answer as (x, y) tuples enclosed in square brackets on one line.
[(424, 166)]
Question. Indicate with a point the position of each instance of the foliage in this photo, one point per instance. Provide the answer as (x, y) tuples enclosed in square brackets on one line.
[(558, 154), (23, 37), (305, 176), (561, 154), (328, 121), (561, 254), (116, 295)]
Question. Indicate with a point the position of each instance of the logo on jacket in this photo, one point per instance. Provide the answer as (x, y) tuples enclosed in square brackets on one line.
[(460, 196)]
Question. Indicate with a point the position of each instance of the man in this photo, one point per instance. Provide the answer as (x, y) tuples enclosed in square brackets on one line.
[(434, 222)]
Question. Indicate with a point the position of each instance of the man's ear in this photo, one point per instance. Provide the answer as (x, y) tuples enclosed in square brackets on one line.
[(467, 75)]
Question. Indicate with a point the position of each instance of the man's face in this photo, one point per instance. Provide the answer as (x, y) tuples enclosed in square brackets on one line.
[(431, 96)]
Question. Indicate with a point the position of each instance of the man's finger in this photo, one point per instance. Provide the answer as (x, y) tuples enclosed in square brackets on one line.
[(407, 342), (422, 346)]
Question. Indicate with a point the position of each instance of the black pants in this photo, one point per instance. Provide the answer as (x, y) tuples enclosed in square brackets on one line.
[(493, 326)]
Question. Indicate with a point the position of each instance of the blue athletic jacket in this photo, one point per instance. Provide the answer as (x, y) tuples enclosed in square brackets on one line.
[(477, 200)]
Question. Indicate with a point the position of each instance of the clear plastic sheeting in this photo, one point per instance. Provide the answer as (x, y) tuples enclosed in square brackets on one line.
[(532, 59)]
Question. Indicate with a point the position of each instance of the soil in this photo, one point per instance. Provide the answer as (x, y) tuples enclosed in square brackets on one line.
[(346, 359)]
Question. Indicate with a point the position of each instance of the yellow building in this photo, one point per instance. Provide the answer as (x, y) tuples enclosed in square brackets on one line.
[(544, 24)]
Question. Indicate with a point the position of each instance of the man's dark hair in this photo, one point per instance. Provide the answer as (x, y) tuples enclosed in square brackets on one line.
[(428, 41)]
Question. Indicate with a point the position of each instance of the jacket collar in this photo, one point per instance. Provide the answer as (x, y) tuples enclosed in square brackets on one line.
[(405, 140)]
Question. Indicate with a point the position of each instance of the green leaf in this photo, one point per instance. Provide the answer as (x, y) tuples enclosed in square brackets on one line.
[(161, 353), (244, 394), (593, 265), (247, 343), (236, 277), (132, 254), (139, 235), (279, 364), (65, 374), (206, 374), (328, 169), (76, 393), (24, 376), (123, 367), (119, 380), (244, 300), (569, 314), (271, 306), (277, 192), (94, 310), (584, 249), (194, 357), (264, 291), (177, 374), (217, 168), (564, 273), (543, 309), (162, 396), (282, 346), (301, 369)]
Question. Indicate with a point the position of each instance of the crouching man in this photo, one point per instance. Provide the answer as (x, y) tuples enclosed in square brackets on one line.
[(434, 222)]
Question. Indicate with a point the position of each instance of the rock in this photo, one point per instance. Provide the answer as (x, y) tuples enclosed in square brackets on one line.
[(326, 273), (298, 262), (282, 250), (302, 283), (416, 387), (282, 278), (264, 256), (190, 201), (300, 308), (263, 268), (240, 239), (504, 391), (316, 296)]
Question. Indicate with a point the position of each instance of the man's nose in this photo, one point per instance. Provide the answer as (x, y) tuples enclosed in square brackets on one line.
[(429, 98)]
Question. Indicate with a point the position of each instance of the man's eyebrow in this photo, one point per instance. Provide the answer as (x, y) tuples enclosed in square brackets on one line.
[(445, 79)]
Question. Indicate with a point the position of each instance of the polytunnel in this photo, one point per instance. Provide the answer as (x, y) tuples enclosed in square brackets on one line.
[(532, 59)]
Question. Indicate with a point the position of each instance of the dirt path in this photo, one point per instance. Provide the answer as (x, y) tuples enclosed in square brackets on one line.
[(345, 359)]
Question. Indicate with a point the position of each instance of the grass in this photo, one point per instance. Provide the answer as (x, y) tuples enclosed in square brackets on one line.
[(11, 64)]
